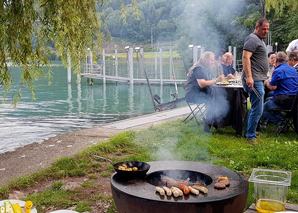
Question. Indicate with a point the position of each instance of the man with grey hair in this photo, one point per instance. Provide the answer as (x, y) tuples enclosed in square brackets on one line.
[(293, 60), (255, 65), (285, 87), (293, 46)]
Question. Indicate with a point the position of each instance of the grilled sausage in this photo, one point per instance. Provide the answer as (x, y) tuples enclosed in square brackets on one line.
[(194, 191), (200, 188), (223, 178), (160, 191), (184, 188), (178, 190), (175, 192), (167, 190)]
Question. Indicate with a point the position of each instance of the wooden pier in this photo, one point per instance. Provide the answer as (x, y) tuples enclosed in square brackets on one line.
[(127, 79)]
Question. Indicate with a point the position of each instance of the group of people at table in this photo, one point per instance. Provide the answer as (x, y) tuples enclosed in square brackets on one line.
[(270, 80)]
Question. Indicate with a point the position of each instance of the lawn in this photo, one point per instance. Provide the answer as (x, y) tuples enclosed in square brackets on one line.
[(170, 141)]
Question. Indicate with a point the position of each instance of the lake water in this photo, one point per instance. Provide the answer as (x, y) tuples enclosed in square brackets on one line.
[(62, 107)]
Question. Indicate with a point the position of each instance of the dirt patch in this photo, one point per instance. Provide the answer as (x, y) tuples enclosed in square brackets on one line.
[(94, 191)]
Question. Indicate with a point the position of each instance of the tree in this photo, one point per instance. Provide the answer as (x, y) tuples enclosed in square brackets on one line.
[(72, 25), (285, 20)]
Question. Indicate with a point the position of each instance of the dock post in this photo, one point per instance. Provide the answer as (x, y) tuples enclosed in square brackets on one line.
[(116, 62), (141, 61), (155, 65), (202, 51), (104, 65), (68, 68), (171, 64), (195, 54), (160, 65), (130, 62), (234, 59), (230, 49)]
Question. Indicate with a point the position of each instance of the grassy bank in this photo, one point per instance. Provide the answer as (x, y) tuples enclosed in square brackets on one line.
[(170, 141)]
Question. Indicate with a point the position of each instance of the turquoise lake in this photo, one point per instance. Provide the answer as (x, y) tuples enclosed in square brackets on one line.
[(62, 107)]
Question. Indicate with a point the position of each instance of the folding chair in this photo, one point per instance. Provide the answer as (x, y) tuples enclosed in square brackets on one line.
[(195, 110), (289, 116)]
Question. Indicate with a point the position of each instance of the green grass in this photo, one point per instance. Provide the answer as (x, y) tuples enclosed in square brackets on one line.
[(170, 141)]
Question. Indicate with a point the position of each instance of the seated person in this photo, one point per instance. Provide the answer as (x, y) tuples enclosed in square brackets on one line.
[(228, 70), (293, 60), (285, 86), (271, 57), (217, 69), (293, 46), (198, 88)]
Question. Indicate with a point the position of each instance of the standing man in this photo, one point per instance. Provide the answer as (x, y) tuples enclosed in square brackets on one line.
[(255, 65)]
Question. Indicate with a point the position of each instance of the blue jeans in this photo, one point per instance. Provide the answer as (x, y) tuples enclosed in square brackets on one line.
[(273, 117), (255, 111)]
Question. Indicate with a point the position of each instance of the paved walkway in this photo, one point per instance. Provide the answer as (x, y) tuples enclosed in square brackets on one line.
[(38, 156)]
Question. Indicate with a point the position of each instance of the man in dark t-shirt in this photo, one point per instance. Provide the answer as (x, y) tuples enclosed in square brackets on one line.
[(255, 65)]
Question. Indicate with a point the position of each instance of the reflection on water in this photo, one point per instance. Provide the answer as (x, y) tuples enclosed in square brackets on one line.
[(63, 107)]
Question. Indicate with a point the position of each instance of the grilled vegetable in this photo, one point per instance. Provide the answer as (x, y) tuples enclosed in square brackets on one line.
[(16, 208), (28, 206), (8, 207)]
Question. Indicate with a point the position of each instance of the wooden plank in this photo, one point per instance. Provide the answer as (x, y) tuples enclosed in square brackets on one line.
[(289, 207)]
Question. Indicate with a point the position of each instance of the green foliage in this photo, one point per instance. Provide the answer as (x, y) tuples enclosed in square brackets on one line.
[(282, 6), (30, 29), (83, 207), (57, 185), (61, 199)]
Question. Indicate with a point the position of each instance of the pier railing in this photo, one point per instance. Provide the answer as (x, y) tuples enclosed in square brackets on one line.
[(93, 69)]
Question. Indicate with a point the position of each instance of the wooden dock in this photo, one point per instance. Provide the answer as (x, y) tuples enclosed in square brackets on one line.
[(135, 80)]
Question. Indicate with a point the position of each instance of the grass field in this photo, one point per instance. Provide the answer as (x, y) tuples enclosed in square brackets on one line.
[(170, 141)]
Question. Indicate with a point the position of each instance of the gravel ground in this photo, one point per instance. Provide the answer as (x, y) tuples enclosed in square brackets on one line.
[(38, 156)]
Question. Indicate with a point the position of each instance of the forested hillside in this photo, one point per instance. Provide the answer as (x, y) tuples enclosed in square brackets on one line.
[(212, 24)]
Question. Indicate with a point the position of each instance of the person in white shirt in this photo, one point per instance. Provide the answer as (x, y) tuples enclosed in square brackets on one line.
[(293, 46)]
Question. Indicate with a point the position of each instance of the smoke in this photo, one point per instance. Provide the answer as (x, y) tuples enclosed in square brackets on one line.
[(211, 24)]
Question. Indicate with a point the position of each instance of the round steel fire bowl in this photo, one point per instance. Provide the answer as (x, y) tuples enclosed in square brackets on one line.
[(140, 196)]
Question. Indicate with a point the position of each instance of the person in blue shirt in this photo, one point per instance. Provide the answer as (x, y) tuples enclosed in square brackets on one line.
[(284, 85), (228, 70)]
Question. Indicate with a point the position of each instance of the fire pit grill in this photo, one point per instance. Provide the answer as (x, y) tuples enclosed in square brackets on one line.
[(139, 195)]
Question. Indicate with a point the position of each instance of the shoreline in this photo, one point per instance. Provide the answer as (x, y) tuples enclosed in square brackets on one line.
[(40, 155)]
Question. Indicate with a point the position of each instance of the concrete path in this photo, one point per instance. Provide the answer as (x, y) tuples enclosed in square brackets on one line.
[(40, 155)]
